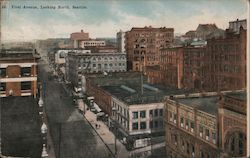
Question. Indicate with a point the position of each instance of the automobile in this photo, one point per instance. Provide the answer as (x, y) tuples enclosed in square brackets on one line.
[(100, 116)]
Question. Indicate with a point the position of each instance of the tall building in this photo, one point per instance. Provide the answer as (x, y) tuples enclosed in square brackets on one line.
[(143, 46), (120, 38), (225, 65), (78, 63), (206, 125), (77, 37), (180, 67), (171, 66), (193, 68), (18, 73)]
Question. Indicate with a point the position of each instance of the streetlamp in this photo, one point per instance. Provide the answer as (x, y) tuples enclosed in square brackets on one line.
[(40, 103), (44, 135)]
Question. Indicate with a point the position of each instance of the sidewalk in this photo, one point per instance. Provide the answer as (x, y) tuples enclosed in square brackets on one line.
[(103, 131)]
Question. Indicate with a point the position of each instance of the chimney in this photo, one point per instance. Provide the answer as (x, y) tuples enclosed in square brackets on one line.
[(81, 31)]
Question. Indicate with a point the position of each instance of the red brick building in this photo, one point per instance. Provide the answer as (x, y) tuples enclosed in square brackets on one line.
[(226, 62), (18, 73), (171, 66), (193, 68), (180, 67), (101, 97), (77, 37), (143, 46)]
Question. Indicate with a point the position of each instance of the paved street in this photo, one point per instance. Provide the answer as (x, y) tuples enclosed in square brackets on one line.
[(73, 137)]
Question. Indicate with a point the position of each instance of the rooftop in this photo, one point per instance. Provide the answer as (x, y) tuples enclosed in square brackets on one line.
[(208, 101), (239, 95), (18, 54), (206, 104), (127, 87), (21, 136)]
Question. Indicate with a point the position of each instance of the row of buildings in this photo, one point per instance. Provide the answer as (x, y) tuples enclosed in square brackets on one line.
[(205, 125), (212, 60)]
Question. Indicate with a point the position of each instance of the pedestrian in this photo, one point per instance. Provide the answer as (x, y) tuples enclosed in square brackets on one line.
[(96, 126), (99, 125)]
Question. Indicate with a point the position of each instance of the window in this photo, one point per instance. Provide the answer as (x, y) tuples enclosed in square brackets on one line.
[(94, 65), (25, 85), (99, 66), (161, 112), (214, 137), (201, 131), (3, 72), (143, 125), (192, 126), (151, 124), (25, 71), (110, 65), (182, 122), (135, 115), (187, 124), (142, 114), (135, 126), (207, 134), (2, 86), (156, 124), (151, 113), (160, 124), (156, 112)]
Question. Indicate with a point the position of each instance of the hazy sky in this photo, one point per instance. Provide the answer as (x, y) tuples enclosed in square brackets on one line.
[(103, 18)]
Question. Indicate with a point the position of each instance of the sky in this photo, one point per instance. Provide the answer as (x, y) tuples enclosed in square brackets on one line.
[(104, 18)]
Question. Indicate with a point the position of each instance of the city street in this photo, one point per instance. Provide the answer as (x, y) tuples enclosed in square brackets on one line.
[(71, 134)]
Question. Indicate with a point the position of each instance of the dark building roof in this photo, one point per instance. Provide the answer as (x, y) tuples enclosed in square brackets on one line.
[(127, 87), (18, 54), (239, 95), (206, 104), (21, 135)]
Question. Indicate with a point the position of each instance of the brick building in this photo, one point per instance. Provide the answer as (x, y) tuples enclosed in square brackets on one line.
[(206, 125), (143, 44), (193, 67), (225, 65), (180, 67), (77, 37), (18, 73), (135, 107)]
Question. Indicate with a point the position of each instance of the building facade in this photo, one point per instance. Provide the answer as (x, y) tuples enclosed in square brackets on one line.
[(18, 73), (193, 67), (202, 126), (87, 62), (77, 37), (91, 43), (120, 37), (143, 45), (225, 65)]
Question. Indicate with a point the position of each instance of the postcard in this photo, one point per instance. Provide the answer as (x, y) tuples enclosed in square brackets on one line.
[(124, 78)]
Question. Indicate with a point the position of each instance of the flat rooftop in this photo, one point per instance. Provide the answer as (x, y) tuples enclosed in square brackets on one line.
[(127, 87), (20, 127), (18, 54), (206, 104), (239, 95)]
